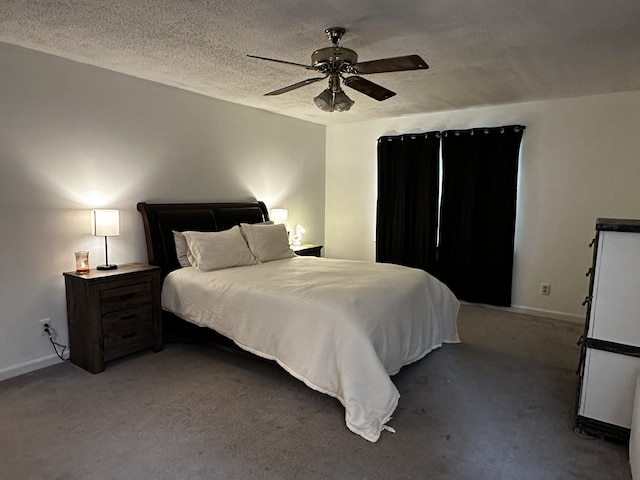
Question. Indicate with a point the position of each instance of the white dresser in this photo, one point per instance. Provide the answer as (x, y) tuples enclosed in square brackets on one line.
[(610, 359)]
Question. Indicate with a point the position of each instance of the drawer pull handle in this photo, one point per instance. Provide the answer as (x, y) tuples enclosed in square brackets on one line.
[(128, 317), (129, 335), (127, 296)]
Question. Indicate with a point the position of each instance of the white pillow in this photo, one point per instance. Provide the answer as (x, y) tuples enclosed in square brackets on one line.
[(181, 248), (267, 242), (216, 250)]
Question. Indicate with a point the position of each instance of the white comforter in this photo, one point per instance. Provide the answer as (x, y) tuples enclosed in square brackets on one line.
[(340, 326)]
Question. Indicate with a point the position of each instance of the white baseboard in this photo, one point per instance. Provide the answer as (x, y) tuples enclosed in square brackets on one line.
[(47, 361), (29, 366), (538, 312)]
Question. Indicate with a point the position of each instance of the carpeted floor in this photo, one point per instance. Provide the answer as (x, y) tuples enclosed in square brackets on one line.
[(498, 406)]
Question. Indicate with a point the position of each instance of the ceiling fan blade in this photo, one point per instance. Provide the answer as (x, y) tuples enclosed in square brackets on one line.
[(394, 64), (371, 89), (308, 67), (296, 85)]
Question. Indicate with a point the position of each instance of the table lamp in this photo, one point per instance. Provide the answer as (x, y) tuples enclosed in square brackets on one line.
[(105, 223)]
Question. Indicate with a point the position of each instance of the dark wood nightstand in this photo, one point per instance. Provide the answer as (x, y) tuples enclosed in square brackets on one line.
[(307, 250), (112, 313)]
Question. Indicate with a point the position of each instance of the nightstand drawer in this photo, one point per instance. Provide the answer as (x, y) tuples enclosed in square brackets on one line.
[(126, 330), (125, 297)]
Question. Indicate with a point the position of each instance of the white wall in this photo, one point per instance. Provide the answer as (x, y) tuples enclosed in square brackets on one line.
[(580, 160), (75, 137)]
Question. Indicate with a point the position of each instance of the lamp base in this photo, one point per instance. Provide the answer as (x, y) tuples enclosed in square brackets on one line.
[(110, 266)]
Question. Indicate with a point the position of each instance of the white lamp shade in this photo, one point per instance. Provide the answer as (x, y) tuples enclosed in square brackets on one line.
[(105, 223), (279, 215)]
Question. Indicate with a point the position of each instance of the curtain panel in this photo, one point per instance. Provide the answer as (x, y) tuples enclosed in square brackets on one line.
[(467, 241), (407, 210), (478, 212)]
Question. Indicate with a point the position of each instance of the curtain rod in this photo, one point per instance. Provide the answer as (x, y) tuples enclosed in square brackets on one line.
[(471, 131)]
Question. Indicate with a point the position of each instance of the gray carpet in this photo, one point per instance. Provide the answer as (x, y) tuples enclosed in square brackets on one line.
[(498, 406)]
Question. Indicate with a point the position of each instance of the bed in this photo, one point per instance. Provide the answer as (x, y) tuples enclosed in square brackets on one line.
[(342, 327)]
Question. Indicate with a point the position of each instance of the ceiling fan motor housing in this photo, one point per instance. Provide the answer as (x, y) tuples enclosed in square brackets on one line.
[(333, 59)]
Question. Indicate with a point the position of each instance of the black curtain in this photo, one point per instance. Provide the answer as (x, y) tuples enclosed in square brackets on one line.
[(407, 212), (477, 225)]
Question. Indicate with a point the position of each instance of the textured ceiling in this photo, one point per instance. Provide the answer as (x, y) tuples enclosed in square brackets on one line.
[(481, 52)]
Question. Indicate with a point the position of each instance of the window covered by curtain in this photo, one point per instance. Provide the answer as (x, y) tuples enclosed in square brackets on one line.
[(407, 214), (475, 252)]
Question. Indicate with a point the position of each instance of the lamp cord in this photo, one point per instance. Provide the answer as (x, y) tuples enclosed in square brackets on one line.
[(55, 349)]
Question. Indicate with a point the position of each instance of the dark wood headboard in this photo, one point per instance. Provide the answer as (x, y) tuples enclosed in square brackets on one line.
[(160, 219)]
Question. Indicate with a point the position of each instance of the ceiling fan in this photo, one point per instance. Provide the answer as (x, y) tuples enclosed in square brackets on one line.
[(335, 62)]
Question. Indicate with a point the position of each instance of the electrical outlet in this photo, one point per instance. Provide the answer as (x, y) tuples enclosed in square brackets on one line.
[(42, 323), (545, 289)]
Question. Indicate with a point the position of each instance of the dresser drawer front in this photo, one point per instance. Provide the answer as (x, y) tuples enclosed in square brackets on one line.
[(609, 387), (127, 330), (124, 297)]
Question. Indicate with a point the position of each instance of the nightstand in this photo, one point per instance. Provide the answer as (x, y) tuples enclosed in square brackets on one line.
[(112, 313), (307, 250)]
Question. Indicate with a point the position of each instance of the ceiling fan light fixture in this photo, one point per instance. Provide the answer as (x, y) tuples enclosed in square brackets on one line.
[(341, 102), (324, 101), (333, 99)]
